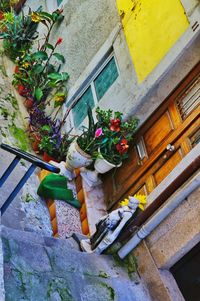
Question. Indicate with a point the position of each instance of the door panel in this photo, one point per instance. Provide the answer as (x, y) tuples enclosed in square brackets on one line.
[(167, 167), (158, 132)]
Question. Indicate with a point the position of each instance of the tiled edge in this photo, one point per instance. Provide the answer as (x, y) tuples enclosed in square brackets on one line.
[(93, 205), (81, 198), (92, 209), (51, 205)]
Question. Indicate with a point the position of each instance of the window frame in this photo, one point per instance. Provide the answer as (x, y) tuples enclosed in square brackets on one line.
[(89, 82)]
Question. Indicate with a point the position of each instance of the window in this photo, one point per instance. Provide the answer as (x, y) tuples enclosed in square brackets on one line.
[(94, 87), (190, 98), (80, 110), (59, 2), (106, 78)]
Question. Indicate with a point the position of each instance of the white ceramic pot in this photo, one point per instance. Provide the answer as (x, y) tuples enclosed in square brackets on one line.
[(102, 166), (76, 157)]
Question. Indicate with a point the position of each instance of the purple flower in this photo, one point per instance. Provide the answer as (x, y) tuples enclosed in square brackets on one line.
[(98, 132)]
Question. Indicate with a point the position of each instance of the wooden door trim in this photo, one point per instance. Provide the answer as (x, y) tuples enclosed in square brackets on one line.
[(180, 127)]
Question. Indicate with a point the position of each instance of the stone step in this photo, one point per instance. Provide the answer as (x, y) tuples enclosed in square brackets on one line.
[(35, 238), (41, 269)]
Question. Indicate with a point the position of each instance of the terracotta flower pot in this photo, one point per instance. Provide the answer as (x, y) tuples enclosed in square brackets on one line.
[(16, 70), (35, 141), (1, 15), (22, 90), (28, 103), (76, 157), (46, 157)]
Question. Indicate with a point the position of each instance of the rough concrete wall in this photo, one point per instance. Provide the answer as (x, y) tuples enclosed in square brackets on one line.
[(87, 30), (86, 27), (35, 4)]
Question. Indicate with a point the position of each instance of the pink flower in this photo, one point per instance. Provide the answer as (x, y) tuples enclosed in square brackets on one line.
[(98, 132)]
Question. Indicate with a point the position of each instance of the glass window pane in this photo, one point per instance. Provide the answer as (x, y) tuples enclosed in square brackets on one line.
[(106, 78), (80, 110), (58, 2)]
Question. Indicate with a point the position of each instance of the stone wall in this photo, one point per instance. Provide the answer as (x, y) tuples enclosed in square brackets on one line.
[(168, 243)]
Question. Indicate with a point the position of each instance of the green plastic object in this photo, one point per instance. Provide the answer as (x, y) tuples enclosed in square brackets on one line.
[(54, 187)]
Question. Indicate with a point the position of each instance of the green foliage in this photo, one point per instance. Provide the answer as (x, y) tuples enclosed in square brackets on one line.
[(20, 136), (19, 32), (86, 140), (39, 75), (107, 138), (116, 135), (4, 6), (38, 94), (60, 57)]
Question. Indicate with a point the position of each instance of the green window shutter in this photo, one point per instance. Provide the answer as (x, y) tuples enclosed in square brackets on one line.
[(59, 2), (80, 110), (106, 78)]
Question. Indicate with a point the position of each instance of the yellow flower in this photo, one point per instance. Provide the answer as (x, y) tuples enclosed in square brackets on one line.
[(141, 198), (124, 202), (25, 65), (35, 17), (60, 97)]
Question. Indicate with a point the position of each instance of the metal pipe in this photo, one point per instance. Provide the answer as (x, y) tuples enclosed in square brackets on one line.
[(174, 201)]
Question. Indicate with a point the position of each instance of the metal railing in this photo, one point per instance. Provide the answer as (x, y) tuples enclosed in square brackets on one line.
[(35, 162)]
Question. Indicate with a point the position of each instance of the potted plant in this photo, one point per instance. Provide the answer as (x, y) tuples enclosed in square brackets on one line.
[(40, 76), (50, 141), (81, 150), (18, 33), (114, 140)]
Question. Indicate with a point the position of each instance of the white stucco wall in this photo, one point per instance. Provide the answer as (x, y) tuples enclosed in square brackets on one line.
[(91, 27)]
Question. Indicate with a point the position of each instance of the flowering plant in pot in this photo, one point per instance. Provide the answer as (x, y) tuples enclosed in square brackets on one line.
[(80, 153), (18, 34), (53, 143), (114, 139), (40, 75)]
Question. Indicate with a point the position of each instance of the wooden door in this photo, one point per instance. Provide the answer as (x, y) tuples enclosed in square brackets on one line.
[(161, 143)]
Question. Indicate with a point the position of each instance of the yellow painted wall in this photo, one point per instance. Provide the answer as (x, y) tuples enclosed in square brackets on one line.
[(151, 28)]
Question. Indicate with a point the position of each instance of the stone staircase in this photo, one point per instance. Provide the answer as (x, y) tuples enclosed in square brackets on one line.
[(38, 268)]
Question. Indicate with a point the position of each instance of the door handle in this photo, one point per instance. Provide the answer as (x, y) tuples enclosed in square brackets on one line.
[(170, 148)]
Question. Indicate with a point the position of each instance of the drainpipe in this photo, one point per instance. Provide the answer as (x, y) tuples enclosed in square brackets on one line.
[(174, 201)]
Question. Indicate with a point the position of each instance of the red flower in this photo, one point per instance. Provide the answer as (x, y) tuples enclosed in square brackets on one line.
[(59, 41), (115, 125), (122, 146)]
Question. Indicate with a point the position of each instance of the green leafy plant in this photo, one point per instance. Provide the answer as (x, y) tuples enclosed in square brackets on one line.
[(53, 142), (18, 34), (87, 140), (40, 75)]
